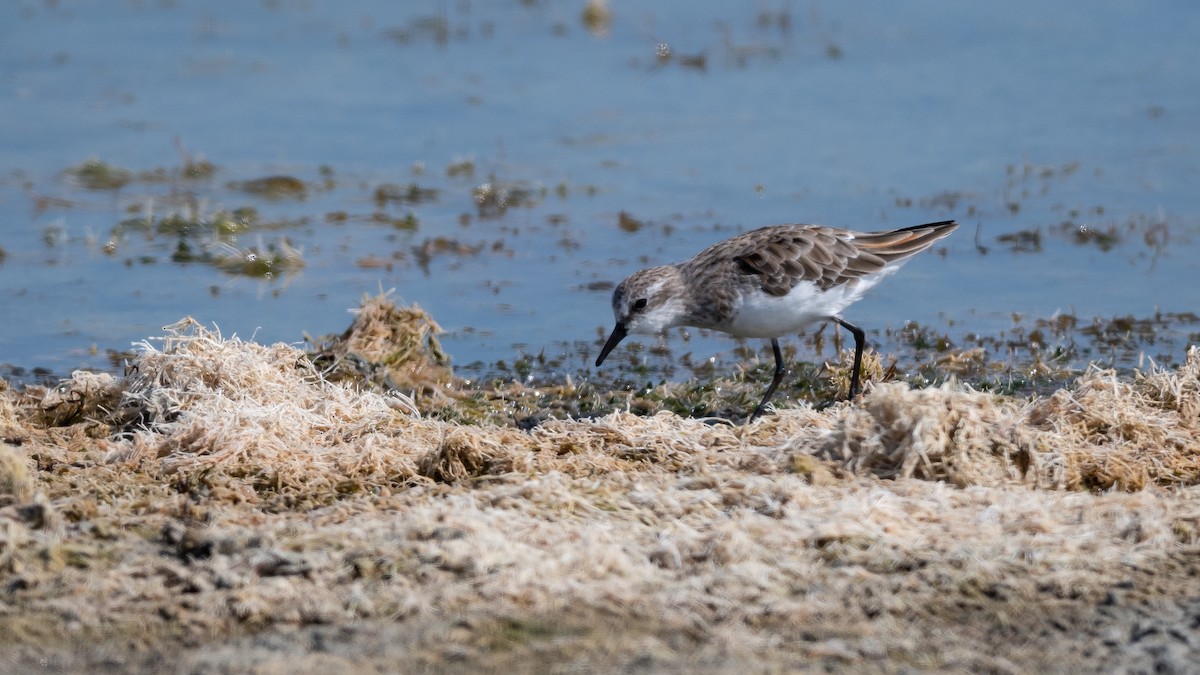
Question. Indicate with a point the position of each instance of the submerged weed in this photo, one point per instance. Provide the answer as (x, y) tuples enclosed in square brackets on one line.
[(390, 193), (273, 187), (263, 261), (97, 175)]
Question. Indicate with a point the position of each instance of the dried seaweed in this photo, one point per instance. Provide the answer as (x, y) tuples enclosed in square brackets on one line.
[(250, 490)]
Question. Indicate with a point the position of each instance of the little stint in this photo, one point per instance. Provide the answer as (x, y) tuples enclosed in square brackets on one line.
[(766, 283)]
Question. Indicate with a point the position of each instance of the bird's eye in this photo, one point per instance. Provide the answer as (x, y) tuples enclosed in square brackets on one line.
[(640, 303)]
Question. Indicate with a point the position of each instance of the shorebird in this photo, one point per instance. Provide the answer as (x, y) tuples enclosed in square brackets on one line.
[(766, 283)]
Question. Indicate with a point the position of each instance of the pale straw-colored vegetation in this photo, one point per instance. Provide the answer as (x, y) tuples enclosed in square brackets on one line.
[(227, 506)]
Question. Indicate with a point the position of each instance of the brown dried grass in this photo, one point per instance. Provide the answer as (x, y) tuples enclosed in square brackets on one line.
[(234, 485), (394, 347)]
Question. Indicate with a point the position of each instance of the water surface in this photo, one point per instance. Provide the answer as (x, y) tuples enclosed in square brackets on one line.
[(553, 155)]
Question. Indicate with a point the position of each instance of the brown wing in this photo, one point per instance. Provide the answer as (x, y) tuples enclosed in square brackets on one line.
[(784, 255)]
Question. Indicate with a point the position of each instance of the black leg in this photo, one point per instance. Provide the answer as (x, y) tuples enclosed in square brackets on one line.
[(779, 372), (859, 338)]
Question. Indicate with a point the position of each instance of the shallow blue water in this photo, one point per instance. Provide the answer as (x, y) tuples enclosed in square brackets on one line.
[(1010, 117)]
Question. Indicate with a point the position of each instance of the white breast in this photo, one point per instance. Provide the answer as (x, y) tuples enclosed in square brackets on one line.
[(760, 315)]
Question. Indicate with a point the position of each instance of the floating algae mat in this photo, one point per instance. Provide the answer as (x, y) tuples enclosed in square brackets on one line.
[(228, 506)]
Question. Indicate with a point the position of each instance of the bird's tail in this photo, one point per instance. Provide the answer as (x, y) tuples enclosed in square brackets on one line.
[(904, 242)]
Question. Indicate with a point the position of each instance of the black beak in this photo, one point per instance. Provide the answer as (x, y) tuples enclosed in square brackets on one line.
[(618, 334)]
